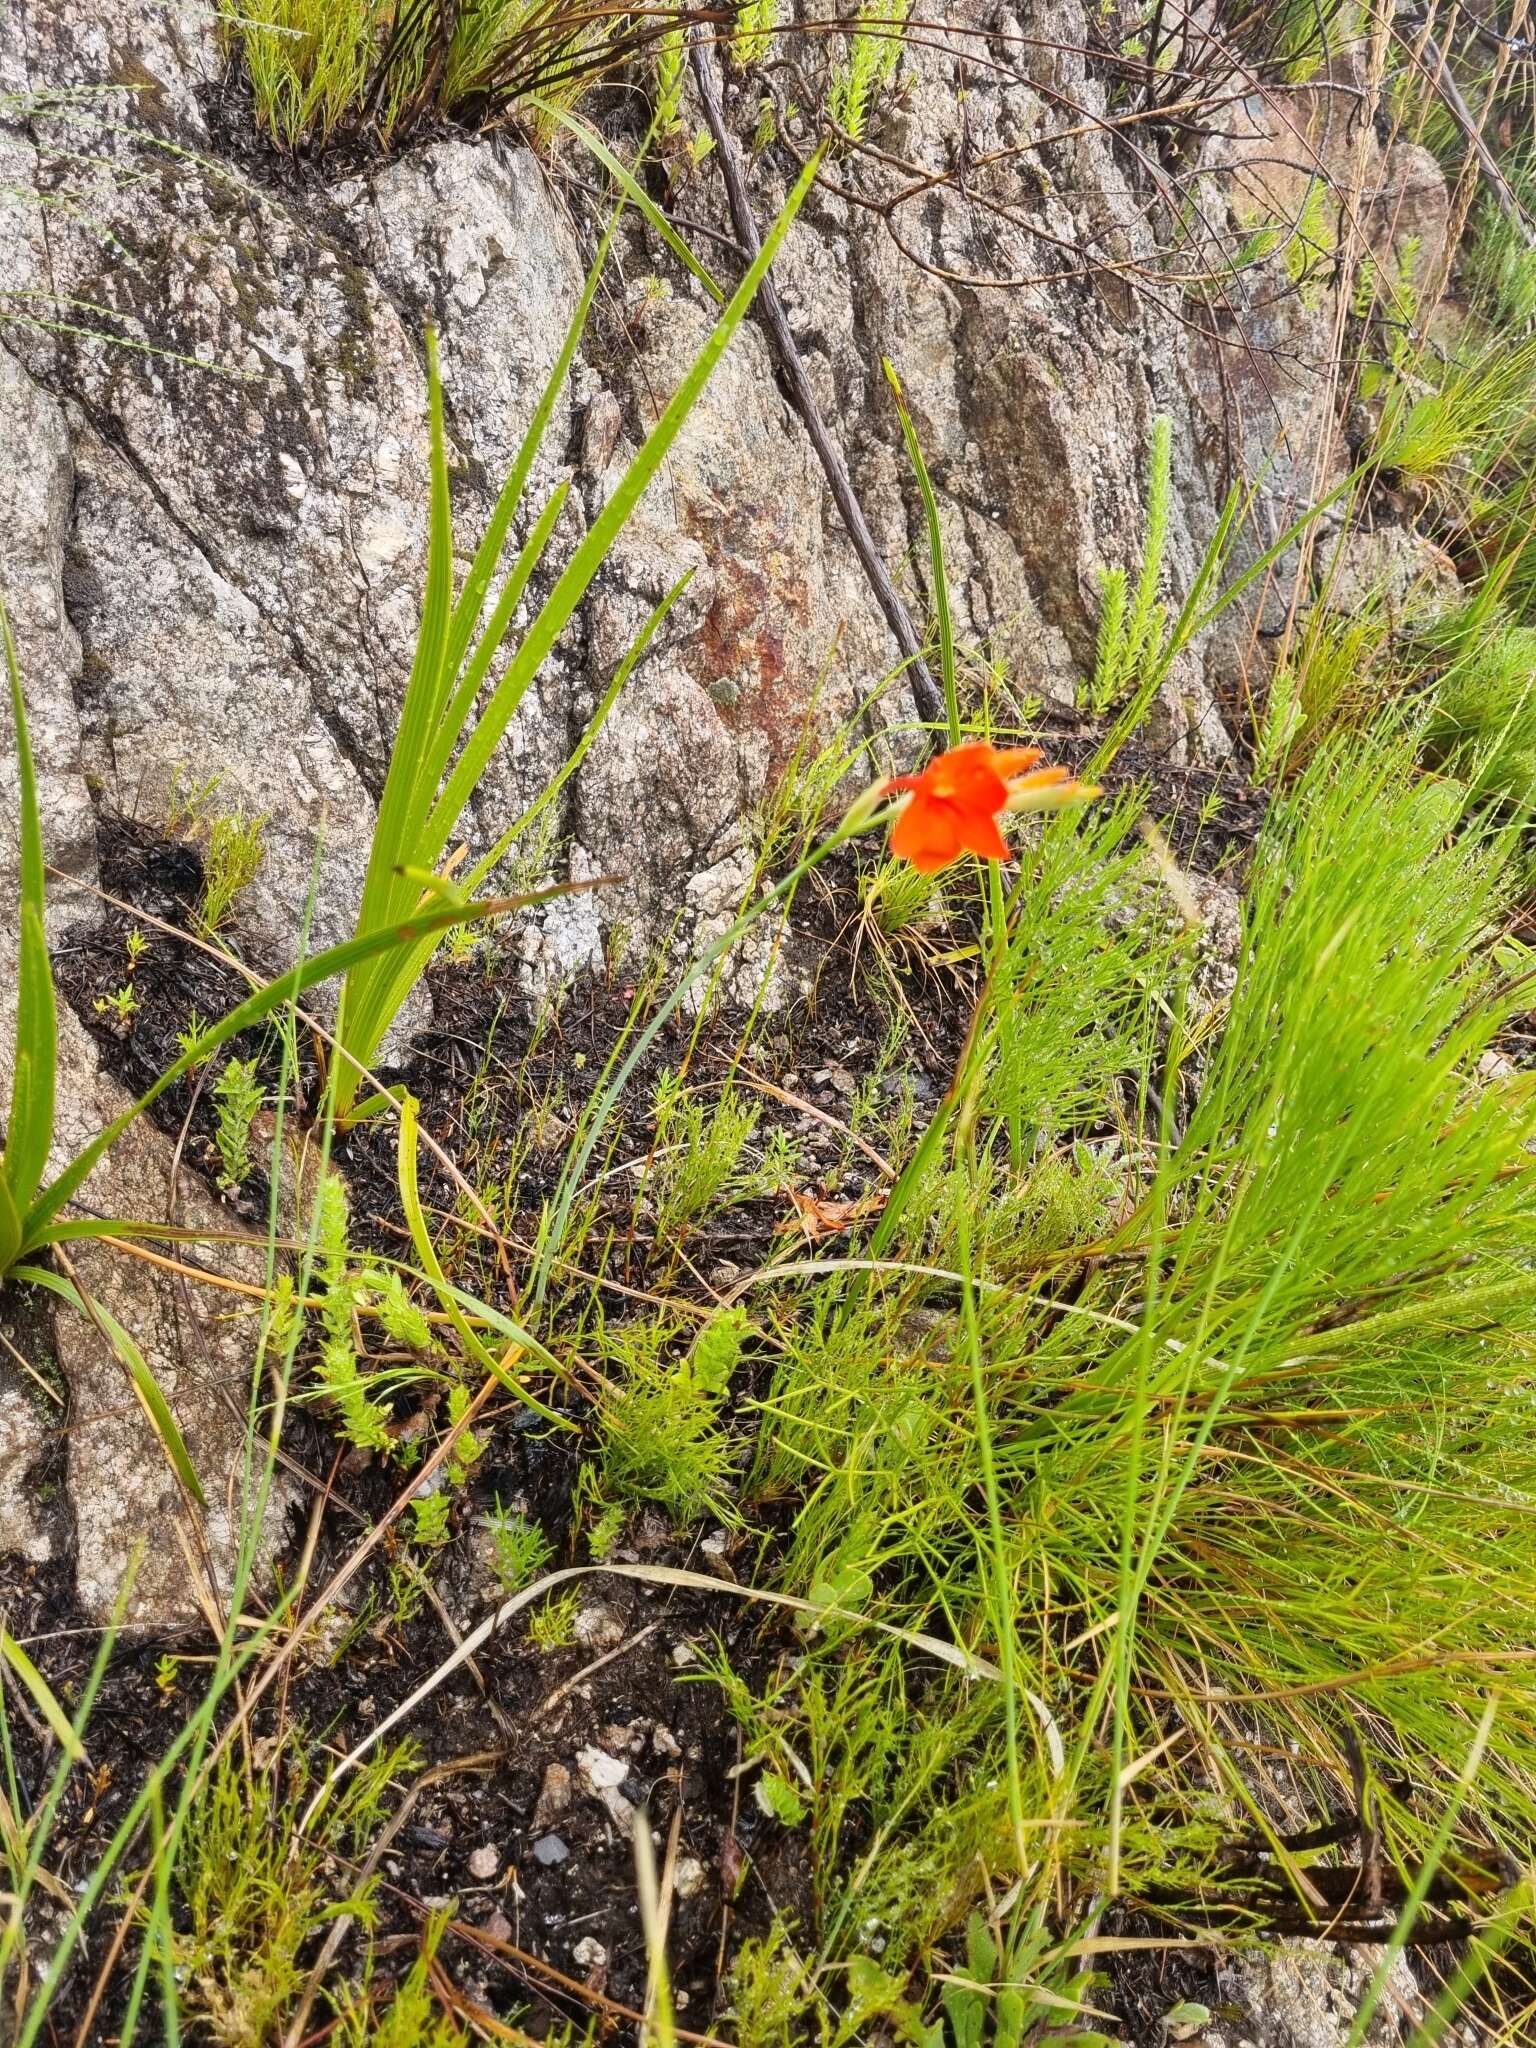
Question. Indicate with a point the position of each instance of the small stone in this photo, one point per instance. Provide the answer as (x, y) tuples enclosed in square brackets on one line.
[(498, 1927), (602, 1772), (665, 1742), (683, 1653), (690, 1877), (599, 1628), (603, 1775), (590, 1953), (714, 1543), (550, 1850), (485, 1861), (554, 1797)]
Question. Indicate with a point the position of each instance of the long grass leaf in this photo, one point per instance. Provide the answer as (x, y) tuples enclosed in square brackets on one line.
[(473, 678), (600, 537), (11, 1234), (29, 1131), (42, 1697), (633, 655), (478, 582), (424, 691), (145, 1385), (633, 191), (404, 977), (255, 1010)]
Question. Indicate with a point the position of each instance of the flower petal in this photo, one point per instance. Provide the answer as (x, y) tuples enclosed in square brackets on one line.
[(928, 833), (979, 835), (966, 776), (1011, 761)]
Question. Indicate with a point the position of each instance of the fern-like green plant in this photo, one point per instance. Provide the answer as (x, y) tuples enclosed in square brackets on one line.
[(661, 1435), (364, 1421), (873, 53), (238, 1096), (671, 67), (1133, 627), (752, 36)]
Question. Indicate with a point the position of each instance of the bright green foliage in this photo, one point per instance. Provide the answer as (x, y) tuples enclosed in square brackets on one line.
[(1483, 727), (1133, 629), (1273, 1424), (407, 2014), (553, 1625), (364, 1421), (900, 900), (324, 69), (29, 1124), (386, 1296), (1501, 263), (255, 1890), (660, 1434), (873, 54), (1479, 409), (468, 1449), (238, 1094), (1332, 681), (444, 743), (1299, 36), (717, 1351), (753, 33), (1310, 242), (231, 863), (432, 1519), (29, 1209), (309, 61), (775, 2002), (520, 1550), (780, 1798), (671, 70), (700, 1148)]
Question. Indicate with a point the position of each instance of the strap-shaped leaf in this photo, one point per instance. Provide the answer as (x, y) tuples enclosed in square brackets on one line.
[(426, 690), (43, 1699), (413, 830), (29, 1131), (255, 1009), (393, 980), (145, 1385), (599, 539)]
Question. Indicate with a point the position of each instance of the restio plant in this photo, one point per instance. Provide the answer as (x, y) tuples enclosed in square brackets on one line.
[(324, 71)]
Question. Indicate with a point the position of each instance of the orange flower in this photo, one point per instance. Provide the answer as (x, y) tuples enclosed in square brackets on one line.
[(953, 806)]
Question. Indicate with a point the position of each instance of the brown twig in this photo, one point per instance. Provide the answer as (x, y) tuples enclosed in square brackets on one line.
[(797, 385)]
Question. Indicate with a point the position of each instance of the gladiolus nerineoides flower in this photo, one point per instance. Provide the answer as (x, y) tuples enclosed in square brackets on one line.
[(954, 805)]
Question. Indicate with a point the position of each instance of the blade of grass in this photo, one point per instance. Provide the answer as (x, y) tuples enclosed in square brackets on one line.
[(319, 967), (29, 1130), (42, 1698), (128, 1354), (634, 192)]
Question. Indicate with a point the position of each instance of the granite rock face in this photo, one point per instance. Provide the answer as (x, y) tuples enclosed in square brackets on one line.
[(213, 520)]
